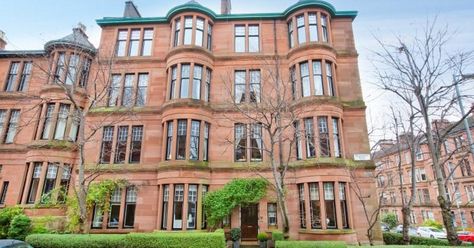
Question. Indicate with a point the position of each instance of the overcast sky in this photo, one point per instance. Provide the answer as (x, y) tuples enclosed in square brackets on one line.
[(29, 24)]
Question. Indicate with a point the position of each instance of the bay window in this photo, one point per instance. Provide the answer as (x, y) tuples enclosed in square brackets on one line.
[(323, 80), (311, 25)]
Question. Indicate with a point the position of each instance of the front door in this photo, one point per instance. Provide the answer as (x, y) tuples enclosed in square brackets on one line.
[(249, 222)]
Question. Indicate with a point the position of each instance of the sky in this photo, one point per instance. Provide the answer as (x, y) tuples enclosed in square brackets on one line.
[(29, 24)]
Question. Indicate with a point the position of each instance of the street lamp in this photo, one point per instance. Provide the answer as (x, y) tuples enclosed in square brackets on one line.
[(457, 79)]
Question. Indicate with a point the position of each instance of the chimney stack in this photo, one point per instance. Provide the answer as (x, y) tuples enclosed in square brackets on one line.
[(226, 7), (131, 10), (3, 42)]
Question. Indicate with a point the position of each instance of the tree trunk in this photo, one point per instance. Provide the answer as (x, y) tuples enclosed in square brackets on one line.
[(447, 221), (82, 191), (406, 224)]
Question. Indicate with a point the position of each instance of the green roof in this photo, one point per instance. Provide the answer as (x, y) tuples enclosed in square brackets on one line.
[(194, 6)]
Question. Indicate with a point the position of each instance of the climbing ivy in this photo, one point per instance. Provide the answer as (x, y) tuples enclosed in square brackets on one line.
[(98, 195), (220, 203)]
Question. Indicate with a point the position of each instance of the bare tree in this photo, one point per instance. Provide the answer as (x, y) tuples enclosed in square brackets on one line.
[(417, 72)]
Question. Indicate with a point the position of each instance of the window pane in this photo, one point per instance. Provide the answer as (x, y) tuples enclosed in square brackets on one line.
[(72, 69), (59, 73), (325, 150), (290, 34), (240, 142), (305, 82), (121, 42), (174, 71), (114, 90), (330, 205), (192, 206), (127, 95), (12, 126), (106, 148), (324, 26), (329, 78), (309, 130), (301, 29), (12, 76), (181, 140), (61, 122), (134, 42), (178, 206), (47, 121), (194, 143), (256, 142), (136, 144), (169, 133), (337, 144), (177, 29), (4, 192), (206, 142), (142, 89), (302, 208), (121, 146), (164, 219), (298, 145), (315, 206), (184, 90), (239, 38), (272, 214), (147, 40), (188, 29), (239, 86), (196, 91), (199, 31), (313, 27), (25, 76), (318, 78), (254, 86), (207, 89), (254, 45)]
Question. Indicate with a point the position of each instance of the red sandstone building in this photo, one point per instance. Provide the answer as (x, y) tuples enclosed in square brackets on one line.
[(179, 74), (458, 170)]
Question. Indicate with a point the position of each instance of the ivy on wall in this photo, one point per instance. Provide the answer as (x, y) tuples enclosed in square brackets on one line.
[(220, 203), (98, 195)]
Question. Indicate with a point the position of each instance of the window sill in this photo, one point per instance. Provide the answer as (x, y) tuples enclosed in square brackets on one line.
[(326, 231)]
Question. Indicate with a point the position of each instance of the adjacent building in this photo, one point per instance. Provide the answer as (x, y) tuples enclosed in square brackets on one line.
[(179, 76), (457, 170)]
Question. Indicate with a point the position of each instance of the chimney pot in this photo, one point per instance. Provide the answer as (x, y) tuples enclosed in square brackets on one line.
[(226, 7)]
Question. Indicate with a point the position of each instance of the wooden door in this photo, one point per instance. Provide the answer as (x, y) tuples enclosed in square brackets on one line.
[(249, 222)]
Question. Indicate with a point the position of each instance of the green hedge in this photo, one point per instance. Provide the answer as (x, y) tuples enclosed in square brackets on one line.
[(176, 240), (310, 244), (277, 235), (135, 240), (76, 240), (397, 239)]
